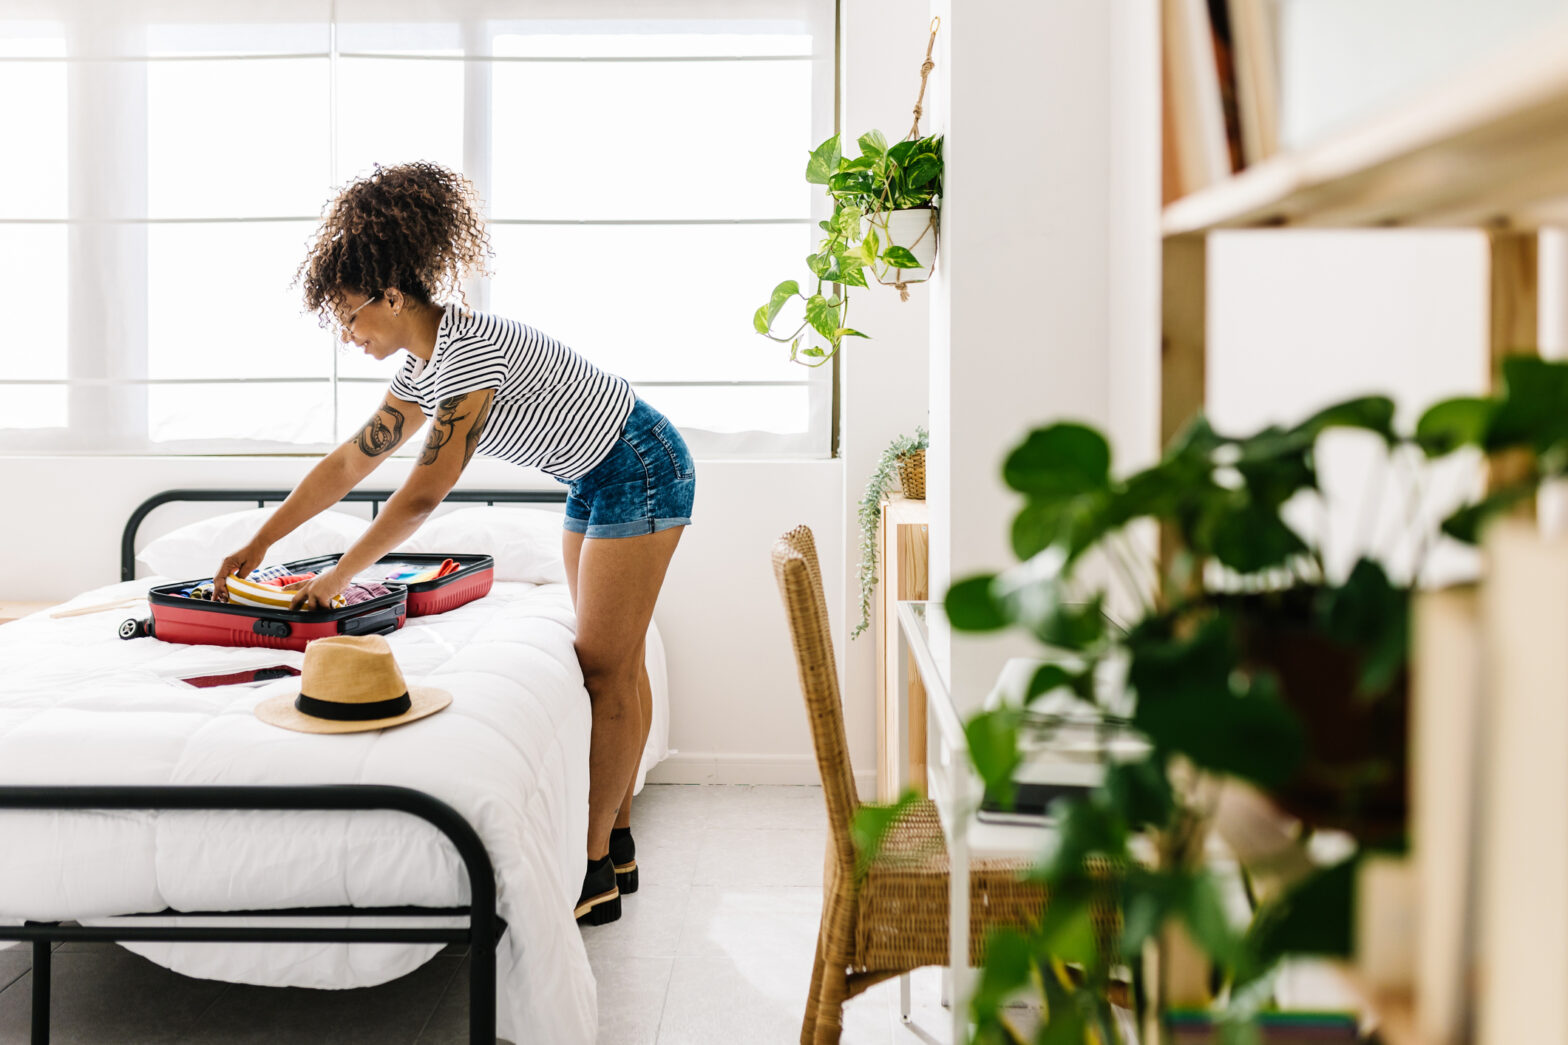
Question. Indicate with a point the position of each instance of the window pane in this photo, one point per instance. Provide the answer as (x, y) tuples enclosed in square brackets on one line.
[(428, 121), (653, 302), (280, 36), (651, 139), (238, 138), (274, 413), (33, 125), (32, 406), (32, 270), (220, 305), (780, 410), (357, 401), (649, 45)]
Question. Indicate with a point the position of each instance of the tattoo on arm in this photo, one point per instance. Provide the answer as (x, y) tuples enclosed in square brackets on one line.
[(476, 430), (382, 433), (443, 426)]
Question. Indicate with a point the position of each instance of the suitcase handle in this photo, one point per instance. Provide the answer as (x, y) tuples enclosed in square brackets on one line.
[(382, 622)]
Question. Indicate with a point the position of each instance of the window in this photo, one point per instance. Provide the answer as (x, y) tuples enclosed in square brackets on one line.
[(640, 161)]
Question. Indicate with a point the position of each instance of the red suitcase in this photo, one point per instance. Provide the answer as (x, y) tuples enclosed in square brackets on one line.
[(176, 618), (472, 580)]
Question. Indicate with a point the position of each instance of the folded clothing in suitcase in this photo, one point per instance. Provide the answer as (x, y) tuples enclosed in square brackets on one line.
[(176, 618)]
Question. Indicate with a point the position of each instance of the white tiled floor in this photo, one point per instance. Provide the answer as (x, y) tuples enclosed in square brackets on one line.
[(716, 947)]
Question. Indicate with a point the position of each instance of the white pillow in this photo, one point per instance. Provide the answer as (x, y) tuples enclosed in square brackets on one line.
[(196, 550), (525, 542)]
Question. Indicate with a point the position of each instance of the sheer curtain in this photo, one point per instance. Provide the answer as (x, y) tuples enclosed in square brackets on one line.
[(166, 162)]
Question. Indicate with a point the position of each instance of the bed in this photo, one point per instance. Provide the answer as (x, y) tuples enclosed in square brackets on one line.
[(355, 828)]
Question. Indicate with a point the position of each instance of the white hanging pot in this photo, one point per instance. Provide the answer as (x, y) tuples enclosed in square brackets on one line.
[(914, 229)]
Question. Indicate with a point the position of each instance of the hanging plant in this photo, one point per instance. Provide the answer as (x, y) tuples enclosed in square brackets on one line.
[(884, 221)]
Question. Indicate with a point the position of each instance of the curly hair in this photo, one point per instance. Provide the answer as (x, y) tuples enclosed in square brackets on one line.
[(414, 228)]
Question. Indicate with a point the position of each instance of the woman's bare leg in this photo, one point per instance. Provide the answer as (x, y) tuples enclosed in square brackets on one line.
[(614, 585)]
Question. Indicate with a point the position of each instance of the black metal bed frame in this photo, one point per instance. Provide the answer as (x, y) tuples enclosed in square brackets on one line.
[(485, 926)]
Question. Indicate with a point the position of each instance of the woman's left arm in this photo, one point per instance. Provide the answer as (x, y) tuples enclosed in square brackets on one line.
[(449, 446)]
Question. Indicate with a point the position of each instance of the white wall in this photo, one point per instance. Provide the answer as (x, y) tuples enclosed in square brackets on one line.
[(882, 381), (1048, 229)]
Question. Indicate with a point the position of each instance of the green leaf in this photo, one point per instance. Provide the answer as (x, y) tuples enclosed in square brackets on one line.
[(822, 315), (1074, 523), (902, 152), (813, 352), (971, 607), (1191, 700), (1063, 458), (1453, 423), (1072, 939), (781, 293), (850, 274), (1372, 413), (1251, 537), (871, 823), (924, 172), (901, 257), (824, 162), (1534, 409), (1467, 523), (1315, 916), (844, 332), (1370, 612), (1009, 963), (759, 319), (993, 748), (1048, 678), (1203, 911), (1141, 791), (873, 144), (852, 183)]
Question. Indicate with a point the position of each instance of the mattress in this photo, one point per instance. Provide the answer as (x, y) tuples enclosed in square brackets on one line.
[(80, 706)]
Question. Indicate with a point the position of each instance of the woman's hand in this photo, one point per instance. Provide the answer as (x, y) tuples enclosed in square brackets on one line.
[(240, 564), (317, 594)]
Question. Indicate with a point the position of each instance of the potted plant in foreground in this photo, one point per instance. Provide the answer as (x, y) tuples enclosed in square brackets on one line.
[(884, 221), (1247, 665)]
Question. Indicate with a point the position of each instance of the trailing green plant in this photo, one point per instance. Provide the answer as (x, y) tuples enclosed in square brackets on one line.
[(1240, 640), (881, 179), (870, 513)]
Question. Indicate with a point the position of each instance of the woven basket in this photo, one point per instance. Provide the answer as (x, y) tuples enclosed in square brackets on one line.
[(912, 475)]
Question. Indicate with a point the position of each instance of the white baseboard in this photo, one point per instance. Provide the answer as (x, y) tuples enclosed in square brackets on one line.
[(695, 767)]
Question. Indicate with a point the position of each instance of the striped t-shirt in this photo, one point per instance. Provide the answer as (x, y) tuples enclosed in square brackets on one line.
[(553, 410)]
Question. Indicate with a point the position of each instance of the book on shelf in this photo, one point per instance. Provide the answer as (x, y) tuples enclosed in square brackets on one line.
[(1197, 141), (1257, 77)]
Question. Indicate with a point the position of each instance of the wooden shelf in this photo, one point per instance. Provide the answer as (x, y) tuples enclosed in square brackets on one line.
[(1488, 147)]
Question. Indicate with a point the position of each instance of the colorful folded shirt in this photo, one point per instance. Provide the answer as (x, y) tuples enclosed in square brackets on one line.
[(244, 592)]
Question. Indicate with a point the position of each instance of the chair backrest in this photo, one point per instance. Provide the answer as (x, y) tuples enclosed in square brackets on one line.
[(800, 585)]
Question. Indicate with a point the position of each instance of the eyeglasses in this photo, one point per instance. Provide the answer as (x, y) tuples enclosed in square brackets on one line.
[(347, 322)]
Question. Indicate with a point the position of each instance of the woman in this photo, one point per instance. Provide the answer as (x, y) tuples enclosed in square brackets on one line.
[(392, 248)]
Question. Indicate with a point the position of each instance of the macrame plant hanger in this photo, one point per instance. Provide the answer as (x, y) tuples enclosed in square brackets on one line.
[(914, 133)]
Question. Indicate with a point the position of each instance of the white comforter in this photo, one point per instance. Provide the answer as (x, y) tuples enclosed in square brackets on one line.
[(80, 706)]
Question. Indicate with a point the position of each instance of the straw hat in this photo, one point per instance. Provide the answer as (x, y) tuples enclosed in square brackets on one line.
[(350, 684)]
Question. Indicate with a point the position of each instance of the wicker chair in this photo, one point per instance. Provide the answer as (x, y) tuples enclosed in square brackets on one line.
[(895, 918)]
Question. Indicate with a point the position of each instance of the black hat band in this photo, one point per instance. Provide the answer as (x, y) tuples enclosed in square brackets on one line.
[(339, 711)]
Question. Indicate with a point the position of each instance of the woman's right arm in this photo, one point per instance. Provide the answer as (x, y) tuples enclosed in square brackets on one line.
[(393, 424)]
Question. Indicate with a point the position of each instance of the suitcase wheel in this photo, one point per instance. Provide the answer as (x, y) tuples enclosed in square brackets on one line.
[(132, 628)]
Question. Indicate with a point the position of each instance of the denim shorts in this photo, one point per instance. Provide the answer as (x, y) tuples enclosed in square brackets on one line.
[(645, 484)]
